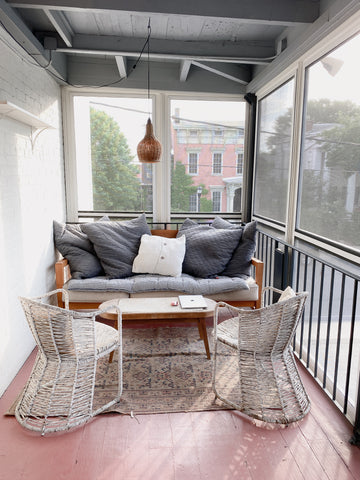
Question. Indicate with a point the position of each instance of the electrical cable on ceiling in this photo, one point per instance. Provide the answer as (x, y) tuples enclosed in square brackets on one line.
[(45, 67)]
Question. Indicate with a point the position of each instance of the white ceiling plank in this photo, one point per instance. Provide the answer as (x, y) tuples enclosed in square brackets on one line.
[(184, 70), (61, 25), (121, 65), (275, 11)]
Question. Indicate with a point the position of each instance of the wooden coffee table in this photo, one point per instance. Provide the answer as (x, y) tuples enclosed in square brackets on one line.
[(161, 309)]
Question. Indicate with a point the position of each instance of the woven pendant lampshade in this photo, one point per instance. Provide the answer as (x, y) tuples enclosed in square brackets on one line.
[(149, 149)]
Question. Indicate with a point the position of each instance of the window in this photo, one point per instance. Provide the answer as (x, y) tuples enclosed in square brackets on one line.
[(273, 153), (217, 164), (216, 201), (193, 203), (193, 163), (109, 176), (106, 175), (239, 163), (330, 168), (202, 165)]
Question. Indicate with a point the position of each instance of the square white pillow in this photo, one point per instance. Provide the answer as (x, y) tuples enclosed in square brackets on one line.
[(160, 255), (286, 294)]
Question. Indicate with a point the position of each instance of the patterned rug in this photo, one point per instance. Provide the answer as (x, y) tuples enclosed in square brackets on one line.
[(164, 370)]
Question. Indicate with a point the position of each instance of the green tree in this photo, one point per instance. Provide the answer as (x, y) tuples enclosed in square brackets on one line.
[(330, 111), (182, 187), (116, 186), (342, 145), (325, 202)]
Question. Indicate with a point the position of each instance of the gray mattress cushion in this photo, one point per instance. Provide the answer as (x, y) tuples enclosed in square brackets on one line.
[(208, 250), (117, 244), (151, 283)]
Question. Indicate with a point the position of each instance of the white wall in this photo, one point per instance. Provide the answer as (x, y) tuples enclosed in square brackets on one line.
[(31, 196)]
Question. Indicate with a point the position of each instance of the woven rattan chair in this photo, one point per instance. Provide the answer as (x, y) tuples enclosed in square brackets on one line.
[(268, 386), (59, 394)]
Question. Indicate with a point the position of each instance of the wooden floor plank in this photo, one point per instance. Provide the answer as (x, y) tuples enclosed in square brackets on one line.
[(197, 445)]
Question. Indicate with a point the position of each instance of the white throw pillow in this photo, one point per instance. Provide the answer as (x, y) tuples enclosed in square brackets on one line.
[(286, 294), (160, 255)]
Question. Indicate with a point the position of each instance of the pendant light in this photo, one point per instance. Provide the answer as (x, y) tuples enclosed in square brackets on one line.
[(149, 149)]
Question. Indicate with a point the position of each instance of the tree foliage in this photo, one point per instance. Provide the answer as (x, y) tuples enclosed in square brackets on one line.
[(182, 187), (332, 127), (116, 186)]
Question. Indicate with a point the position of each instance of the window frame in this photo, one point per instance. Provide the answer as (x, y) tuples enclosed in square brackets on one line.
[(190, 165), (239, 163), (330, 40), (217, 164), (219, 200), (162, 129)]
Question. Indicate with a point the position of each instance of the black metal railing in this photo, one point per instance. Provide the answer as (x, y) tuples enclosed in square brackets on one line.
[(327, 340)]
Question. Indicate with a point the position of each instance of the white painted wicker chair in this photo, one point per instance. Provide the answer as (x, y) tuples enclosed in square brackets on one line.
[(59, 394), (269, 387)]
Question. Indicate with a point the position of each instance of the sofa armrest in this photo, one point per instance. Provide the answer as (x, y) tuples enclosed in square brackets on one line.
[(62, 275), (259, 272)]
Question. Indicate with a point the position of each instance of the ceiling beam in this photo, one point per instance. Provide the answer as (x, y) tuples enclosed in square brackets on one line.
[(231, 72), (184, 70), (61, 25), (121, 64), (260, 11), (260, 52), (23, 36)]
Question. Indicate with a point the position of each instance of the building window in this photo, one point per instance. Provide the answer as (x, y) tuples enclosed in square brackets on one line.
[(217, 164), (193, 163), (216, 201), (193, 203), (218, 133), (239, 163)]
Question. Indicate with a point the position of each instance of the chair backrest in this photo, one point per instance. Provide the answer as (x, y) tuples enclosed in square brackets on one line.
[(270, 330), (58, 332)]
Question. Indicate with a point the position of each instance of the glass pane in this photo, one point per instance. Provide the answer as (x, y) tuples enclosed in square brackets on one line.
[(329, 194), (275, 120), (207, 138), (109, 175)]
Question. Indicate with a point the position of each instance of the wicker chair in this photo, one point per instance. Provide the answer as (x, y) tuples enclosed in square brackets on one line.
[(268, 386), (59, 394)]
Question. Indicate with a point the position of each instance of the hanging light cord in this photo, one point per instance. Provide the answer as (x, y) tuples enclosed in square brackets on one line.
[(148, 62)]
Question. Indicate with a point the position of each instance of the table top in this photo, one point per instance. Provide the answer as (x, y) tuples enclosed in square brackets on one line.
[(155, 307)]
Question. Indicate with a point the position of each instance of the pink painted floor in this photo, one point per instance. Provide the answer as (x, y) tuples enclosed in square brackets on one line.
[(219, 445)]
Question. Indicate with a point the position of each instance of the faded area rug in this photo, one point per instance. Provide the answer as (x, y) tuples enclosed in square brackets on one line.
[(164, 370)]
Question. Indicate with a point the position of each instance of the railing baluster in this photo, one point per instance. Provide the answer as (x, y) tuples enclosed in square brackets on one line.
[(328, 326), (311, 312), (338, 341), (319, 319)]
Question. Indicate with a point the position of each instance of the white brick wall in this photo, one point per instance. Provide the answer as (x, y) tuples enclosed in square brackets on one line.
[(31, 196)]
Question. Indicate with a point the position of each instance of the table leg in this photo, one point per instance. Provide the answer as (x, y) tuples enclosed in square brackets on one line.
[(203, 334), (111, 356)]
